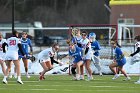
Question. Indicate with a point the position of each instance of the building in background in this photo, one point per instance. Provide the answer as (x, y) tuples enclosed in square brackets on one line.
[(126, 12)]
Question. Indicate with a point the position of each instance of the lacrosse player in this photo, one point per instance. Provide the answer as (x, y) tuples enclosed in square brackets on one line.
[(45, 59), (88, 54), (137, 52), (76, 53), (96, 47), (25, 42), (2, 54), (13, 44), (119, 61)]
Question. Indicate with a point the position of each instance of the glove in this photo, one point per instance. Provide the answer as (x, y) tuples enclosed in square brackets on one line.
[(31, 53), (131, 55)]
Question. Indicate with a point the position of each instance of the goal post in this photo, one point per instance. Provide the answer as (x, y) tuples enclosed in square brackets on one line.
[(127, 32)]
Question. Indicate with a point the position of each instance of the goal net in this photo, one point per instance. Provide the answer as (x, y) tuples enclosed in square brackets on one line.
[(104, 33)]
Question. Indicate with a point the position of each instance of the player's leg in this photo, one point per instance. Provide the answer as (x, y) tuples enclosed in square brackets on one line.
[(78, 65), (8, 64), (17, 65), (25, 61), (73, 68), (3, 67), (97, 64), (15, 72), (113, 69), (123, 72), (82, 72), (46, 67), (87, 66)]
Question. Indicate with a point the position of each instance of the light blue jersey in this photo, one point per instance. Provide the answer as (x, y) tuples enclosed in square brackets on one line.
[(77, 54)]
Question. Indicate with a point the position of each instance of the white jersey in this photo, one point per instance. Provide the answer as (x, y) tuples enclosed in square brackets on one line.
[(13, 43), (12, 52), (86, 43), (137, 44), (45, 55), (1, 50), (1, 42), (136, 57)]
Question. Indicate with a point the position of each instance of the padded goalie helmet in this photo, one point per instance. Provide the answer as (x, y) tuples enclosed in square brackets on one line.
[(92, 35)]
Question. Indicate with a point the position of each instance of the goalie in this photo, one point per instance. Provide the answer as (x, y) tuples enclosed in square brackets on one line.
[(96, 47)]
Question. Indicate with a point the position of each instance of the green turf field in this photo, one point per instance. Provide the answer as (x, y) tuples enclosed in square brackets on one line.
[(64, 84)]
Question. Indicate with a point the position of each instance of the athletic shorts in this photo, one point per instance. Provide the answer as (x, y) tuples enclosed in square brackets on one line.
[(41, 60), (121, 62), (2, 56), (89, 55), (11, 55)]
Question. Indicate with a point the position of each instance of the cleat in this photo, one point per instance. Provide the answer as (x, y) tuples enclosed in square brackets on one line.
[(77, 77), (138, 82), (41, 78), (74, 78), (81, 77), (10, 76), (15, 76), (115, 77), (101, 74), (4, 81), (89, 79), (27, 75), (127, 79), (19, 81)]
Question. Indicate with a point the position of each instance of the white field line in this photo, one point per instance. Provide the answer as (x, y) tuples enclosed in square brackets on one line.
[(106, 86), (56, 85), (38, 89), (24, 81)]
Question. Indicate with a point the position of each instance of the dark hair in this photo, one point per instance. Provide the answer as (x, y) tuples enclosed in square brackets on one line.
[(137, 38), (14, 32), (84, 32), (115, 42), (24, 32), (55, 44)]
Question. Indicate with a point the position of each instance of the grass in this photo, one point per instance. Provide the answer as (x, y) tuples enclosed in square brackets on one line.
[(64, 84)]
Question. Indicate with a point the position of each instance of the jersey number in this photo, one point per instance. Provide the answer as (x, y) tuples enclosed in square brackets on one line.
[(12, 42)]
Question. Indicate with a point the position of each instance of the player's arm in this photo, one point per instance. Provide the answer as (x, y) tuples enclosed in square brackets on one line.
[(20, 49), (30, 45), (87, 48), (53, 61), (3, 46), (137, 51)]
